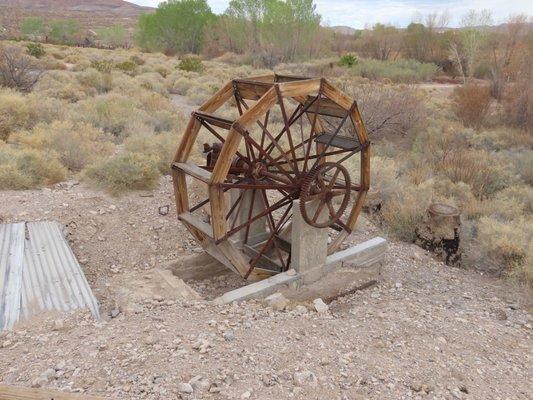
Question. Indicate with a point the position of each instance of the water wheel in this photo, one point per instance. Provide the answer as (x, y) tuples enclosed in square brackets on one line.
[(286, 139)]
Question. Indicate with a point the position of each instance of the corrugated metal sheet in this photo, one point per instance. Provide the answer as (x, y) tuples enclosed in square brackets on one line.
[(48, 277)]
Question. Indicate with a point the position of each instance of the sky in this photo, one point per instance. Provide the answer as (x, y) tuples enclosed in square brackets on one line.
[(361, 13)]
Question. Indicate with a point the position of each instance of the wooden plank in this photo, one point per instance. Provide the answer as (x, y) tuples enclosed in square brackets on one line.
[(187, 141), (196, 223), (359, 125), (252, 90), (336, 95), (8, 392), (258, 109), (299, 87), (214, 120), (225, 158), (194, 171), (327, 107), (262, 78), (341, 142), (290, 78), (234, 256)]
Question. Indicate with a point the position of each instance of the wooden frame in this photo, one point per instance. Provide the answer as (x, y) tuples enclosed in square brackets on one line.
[(315, 98)]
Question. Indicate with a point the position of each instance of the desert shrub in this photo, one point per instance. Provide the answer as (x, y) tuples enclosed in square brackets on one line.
[(91, 78), (506, 246), (518, 104), (483, 171), (387, 110), (522, 163), (62, 85), (348, 60), (44, 109), (401, 71), (179, 86), (521, 194), (160, 147), (35, 50), (29, 168), (471, 104), (127, 66), (113, 113), (138, 60), (77, 145), (14, 113), (102, 65), (124, 172), (503, 138), (17, 69), (405, 210), (191, 64), (152, 81)]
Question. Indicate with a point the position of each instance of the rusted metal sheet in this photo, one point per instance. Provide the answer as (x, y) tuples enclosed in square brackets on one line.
[(39, 272)]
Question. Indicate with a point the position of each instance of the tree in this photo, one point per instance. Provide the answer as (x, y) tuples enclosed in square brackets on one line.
[(33, 28), (466, 47), (382, 43), (112, 36), (503, 46), (64, 30), (177, 26)]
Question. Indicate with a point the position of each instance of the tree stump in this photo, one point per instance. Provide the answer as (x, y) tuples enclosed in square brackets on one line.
[(440, 232)]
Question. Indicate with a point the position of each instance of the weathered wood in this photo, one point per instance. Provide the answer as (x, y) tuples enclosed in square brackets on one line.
[(327, 107), (218, 211), (8, 392), (214, 120), (196, 223), (225, 157), (251, 90), (299, 87), (336, 95), (259, 109), (194, 171)]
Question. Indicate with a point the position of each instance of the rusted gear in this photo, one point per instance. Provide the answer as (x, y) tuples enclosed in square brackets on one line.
[(319, 187)]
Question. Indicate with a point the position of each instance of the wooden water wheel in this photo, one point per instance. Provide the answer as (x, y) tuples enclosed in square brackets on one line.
[(290, 138)]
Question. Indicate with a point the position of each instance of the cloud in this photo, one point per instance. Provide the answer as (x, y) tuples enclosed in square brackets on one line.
[(361, 13)]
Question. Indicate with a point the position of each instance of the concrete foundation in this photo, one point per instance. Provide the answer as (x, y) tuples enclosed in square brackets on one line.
[(309, 246)]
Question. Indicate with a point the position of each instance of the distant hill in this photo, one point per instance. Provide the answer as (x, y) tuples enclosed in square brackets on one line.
[(343, 30), (91, 13)]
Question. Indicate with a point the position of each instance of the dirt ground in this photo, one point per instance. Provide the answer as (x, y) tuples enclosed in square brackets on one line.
[(427, 331)]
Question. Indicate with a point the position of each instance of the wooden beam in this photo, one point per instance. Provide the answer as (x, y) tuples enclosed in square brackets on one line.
[(8, 392), (299, 87), (336, 95)]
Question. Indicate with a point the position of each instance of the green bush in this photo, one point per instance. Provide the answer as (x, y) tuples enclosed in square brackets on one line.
[(160, 147), (402, 71), (192, 64), (102, 65), (35, 50), (126, 66), (123, 173), (348, 60)]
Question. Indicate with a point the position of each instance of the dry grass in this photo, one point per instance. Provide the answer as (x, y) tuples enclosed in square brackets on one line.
[(471, 104)]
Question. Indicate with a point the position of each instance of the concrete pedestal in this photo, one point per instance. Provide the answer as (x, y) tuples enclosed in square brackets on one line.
[(309, 246)]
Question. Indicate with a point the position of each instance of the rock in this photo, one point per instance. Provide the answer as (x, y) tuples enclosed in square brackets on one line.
[(228, 336), (277, 301), (398, 285), (114, 312), (305, 378), (246, 395), (320, 306), (150, 340), (49, 374), (300, 310), (199, 383), (185, 387), (58, 325)]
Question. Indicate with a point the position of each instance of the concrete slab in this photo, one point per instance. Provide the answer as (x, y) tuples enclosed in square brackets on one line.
[(259, 289)]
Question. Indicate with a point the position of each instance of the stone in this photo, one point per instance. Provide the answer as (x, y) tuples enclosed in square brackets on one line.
[(58, 325), (305, 378), (300, 310), (49, 374), (277, 301), (320, 306), (114, 313), (246, 395), (185, 387), (228, 336), (199, 383)]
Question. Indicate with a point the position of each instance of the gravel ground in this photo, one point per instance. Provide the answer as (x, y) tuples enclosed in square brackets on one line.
[(426, 332)]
